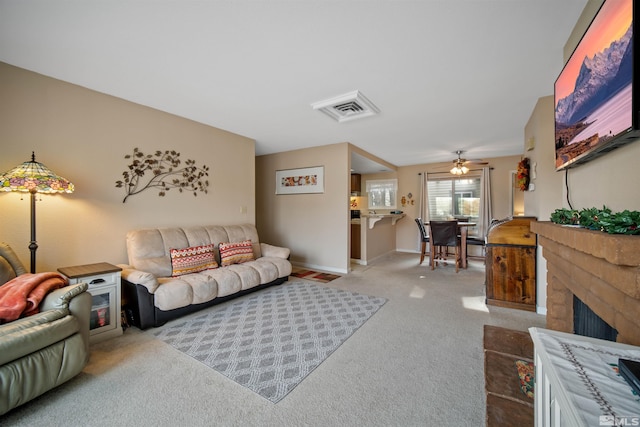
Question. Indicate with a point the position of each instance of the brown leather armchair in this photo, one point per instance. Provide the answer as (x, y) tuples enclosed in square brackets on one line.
[(42, 351)]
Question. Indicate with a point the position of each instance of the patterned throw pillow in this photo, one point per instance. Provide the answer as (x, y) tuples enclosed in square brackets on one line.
[(236, 253), (192, 260)]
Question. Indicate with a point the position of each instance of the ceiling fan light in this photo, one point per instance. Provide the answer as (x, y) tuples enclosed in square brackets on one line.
[(459, 170)]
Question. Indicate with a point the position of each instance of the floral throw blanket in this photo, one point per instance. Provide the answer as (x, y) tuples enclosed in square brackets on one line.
[(21, 296)]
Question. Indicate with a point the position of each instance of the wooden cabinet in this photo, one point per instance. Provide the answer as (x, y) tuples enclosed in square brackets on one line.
[(355, 241), (356, 183), (511, 264)]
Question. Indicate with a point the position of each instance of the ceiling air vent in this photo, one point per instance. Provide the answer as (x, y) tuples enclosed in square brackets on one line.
[(350, 106)]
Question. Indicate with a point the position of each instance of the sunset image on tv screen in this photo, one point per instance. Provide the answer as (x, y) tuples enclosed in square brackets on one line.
[(593, 94)]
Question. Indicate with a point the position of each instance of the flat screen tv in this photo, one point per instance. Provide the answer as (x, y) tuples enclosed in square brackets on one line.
[(597, 101)]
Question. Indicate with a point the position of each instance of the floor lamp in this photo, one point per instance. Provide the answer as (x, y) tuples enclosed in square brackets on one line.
[(34, 177)]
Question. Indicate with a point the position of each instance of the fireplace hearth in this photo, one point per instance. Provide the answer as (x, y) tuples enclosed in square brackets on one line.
[(600, 269)]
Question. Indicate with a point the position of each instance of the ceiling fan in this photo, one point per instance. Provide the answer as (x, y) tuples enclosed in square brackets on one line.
[(459, 164)]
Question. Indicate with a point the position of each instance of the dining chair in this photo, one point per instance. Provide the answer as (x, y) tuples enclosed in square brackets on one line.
[(477, 241), (424, 239), (444, 234), (474, 241)]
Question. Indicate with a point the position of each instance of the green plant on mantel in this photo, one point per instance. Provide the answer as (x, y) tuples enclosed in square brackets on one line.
[(565, 216), (590, 218), (625, 222), (165, 171)]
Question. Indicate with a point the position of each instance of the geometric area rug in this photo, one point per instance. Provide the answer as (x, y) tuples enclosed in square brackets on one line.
[(270, 340)]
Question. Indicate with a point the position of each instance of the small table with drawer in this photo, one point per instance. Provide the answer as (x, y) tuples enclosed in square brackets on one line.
[(104, 286)]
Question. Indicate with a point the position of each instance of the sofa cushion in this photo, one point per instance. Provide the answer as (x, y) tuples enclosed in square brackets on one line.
[(249, 276), (236, 253), (197, 288), (174, 292), (25, 378), (282, 266), (192, 260), (37, 320), (23, 341), (267, 270)]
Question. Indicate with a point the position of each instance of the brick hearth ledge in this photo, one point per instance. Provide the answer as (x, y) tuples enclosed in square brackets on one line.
[(599, 268)]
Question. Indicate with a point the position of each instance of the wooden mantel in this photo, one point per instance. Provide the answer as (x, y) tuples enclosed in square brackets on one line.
[(601, 269)]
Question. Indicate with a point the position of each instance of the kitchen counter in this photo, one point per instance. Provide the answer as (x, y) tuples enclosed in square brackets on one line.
[(372, 219)]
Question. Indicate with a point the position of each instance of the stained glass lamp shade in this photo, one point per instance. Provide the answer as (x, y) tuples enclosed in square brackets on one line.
[(34, 177)]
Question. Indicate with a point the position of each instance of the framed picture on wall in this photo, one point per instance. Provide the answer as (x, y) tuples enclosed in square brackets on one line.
[(300, 181)]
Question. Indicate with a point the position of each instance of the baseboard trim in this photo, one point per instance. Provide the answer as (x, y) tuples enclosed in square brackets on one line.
[(319, 268)]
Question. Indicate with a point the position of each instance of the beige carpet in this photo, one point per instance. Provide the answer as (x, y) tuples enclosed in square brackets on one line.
[(417, 362)]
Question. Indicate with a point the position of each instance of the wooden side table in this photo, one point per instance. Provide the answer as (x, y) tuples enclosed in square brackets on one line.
[(104, 286)]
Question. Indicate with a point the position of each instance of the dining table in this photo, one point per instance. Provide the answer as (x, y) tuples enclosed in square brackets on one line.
[(463, 227)]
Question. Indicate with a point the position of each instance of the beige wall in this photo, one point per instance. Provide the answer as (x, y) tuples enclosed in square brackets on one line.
[(547, 195), (315, 227), (83, 136), (612, 180)]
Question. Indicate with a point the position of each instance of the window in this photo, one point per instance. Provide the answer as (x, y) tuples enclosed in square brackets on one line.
[(454, 198), (382, 193)]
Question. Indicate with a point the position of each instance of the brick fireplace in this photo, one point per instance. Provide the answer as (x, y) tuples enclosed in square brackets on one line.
[(601, 269)]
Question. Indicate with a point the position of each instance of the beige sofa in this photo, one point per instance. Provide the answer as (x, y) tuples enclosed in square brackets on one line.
[(155, 290), (42, 351)]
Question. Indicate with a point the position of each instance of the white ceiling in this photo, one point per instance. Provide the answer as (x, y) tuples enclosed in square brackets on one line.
[(445, 74)]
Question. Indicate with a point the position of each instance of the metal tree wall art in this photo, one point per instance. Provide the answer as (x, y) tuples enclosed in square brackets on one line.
[(166, 173)]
